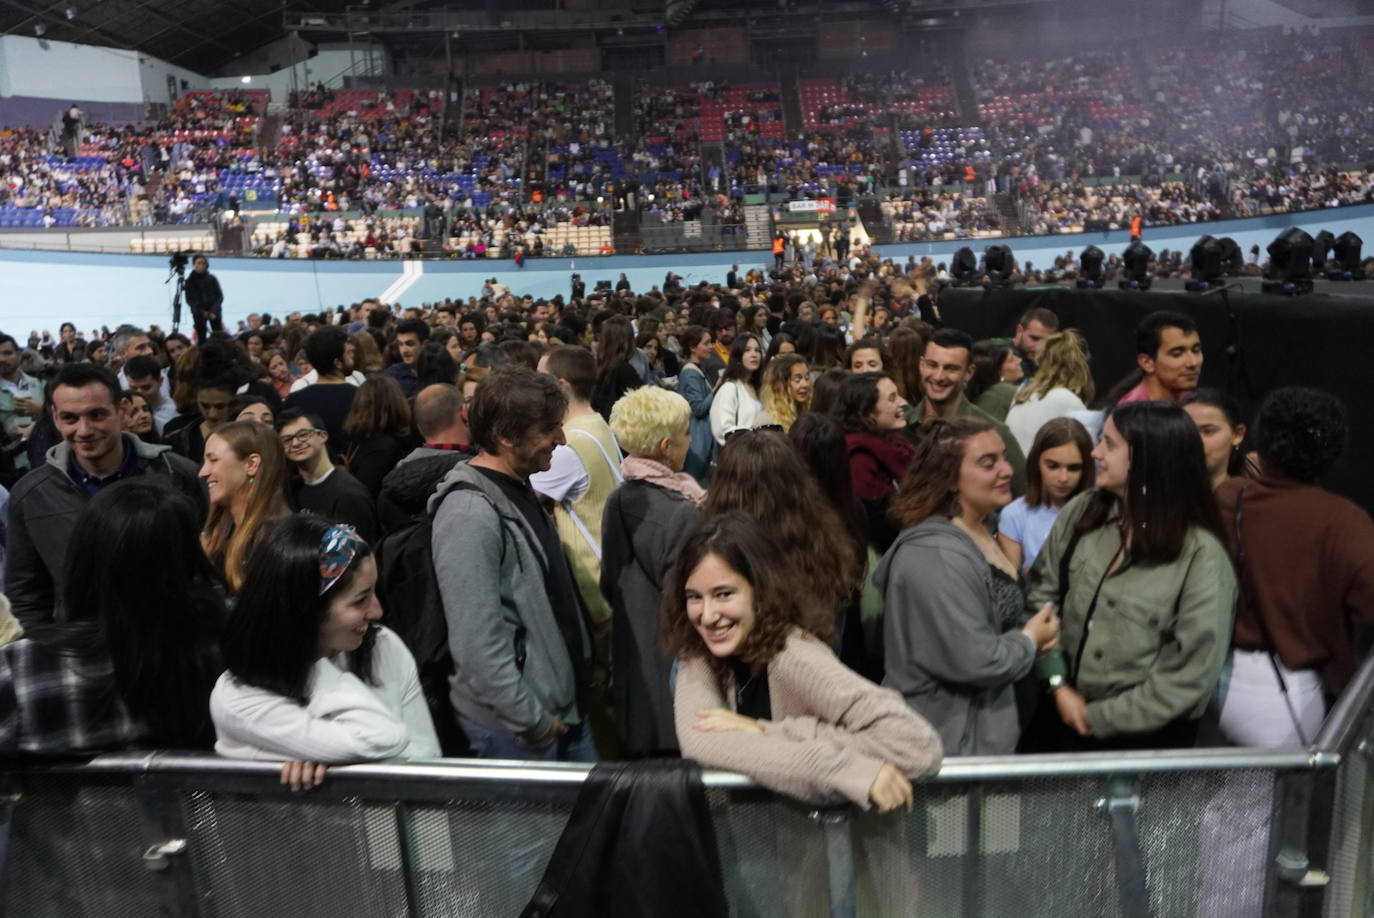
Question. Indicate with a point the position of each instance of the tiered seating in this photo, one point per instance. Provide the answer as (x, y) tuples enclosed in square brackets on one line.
[(155, 246), (587, 240), (247, 101)]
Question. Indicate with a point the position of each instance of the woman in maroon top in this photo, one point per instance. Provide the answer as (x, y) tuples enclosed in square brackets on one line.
[(872, 412), (1299, 611)]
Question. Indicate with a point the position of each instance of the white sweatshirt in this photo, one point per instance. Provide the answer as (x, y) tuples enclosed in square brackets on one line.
[(346, 720)]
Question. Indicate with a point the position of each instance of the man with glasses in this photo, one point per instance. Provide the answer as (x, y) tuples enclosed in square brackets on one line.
[(321, 487)]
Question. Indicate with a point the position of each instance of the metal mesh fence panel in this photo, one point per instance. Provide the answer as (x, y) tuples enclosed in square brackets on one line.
[(1044, 847), (78, 851), (1352, 855), (772, 856), (481, 858), (261, 856)]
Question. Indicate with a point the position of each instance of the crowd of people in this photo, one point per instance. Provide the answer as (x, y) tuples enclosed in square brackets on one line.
[(793, 527), (1183, 136)]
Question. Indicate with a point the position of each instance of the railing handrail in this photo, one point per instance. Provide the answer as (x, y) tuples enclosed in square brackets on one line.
[(955, 770), (1338, 732)]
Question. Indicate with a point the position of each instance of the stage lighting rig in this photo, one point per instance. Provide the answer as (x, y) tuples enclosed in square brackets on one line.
[(1000, 265), (1290, 263), (1091, 260), (1346, 263), (963, 267), (1206, 260), (1136, 259)]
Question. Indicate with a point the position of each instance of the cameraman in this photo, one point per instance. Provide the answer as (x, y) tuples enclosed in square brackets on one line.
[(204, 297)]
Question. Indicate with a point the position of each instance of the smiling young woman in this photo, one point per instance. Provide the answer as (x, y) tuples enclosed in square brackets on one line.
[(759, 694), (311, 676), (953, 640)]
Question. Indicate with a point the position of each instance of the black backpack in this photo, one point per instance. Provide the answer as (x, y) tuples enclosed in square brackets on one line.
[(409, 593)]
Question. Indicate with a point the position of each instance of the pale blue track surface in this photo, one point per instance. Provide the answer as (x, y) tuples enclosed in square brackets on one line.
[(39, 290)]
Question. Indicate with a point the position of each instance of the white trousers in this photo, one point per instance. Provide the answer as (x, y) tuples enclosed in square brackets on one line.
[(1254, 712)]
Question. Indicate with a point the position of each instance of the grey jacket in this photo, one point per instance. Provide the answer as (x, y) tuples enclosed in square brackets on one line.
[(43, 509), (490, 569), (944, 647)]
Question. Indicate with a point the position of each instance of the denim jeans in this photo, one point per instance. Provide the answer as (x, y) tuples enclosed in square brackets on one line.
[(573, 746)]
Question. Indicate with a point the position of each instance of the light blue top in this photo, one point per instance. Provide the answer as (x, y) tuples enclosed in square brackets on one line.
[(1029, 526)]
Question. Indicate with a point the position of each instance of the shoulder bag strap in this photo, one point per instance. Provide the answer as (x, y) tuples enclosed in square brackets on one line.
[(1243, 590)]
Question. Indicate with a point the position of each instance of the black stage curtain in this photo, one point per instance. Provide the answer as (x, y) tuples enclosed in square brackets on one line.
[(1252, 344)]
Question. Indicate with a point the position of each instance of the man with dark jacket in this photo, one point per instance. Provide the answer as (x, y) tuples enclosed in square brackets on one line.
[(441, 418), (411, 335), (88, 409), (205, 298)]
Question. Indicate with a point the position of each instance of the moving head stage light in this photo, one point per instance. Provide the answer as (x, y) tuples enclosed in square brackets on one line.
[(1091, 260), (1290, 263), (964, 268), (1346, 263), (1321, 247), (1136, 259), (1232, 258), (1000, 265), (1206, 261)]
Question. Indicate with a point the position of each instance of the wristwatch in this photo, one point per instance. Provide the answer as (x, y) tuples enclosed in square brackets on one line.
[(1056, 682)]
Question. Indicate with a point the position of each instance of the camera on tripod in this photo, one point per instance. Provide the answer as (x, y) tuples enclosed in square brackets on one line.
[(178, 262)]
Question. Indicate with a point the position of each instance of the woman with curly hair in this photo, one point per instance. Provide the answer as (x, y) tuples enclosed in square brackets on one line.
[(759, 692), (1298, 610), (786, 391)]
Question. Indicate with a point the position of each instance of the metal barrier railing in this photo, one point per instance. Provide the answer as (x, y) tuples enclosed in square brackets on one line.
[(1207, 832)]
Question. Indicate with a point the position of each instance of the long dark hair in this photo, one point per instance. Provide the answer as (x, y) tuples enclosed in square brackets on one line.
[(138, 587), (763, 475), (735, 368), (614, 345), (1168, 490), (858, 398), (819, 440), (734, 538), (988, 356), (1215, 398), (272, 638)]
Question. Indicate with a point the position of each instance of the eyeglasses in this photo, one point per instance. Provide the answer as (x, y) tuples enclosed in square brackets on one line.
[(300, 436)]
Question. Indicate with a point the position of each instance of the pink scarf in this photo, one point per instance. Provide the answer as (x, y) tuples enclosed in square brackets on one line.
[(641, 469)]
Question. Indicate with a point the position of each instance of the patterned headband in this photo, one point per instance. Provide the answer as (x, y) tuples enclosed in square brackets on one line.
[(338, 548)]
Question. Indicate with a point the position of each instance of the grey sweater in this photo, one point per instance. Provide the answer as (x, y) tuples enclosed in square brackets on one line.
[(490, 570), (944, 647)]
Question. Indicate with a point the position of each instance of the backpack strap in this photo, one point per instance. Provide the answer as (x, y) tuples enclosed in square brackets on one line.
[(568, 505)]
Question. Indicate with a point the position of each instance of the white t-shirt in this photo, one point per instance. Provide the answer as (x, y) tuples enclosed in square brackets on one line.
[(346, 720), (1025, 419), (1027, 526)]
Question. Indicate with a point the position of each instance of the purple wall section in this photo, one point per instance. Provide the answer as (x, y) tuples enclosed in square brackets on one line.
[(30, 111)]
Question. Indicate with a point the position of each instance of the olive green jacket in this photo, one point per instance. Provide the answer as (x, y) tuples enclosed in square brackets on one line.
[(1160, 632)]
